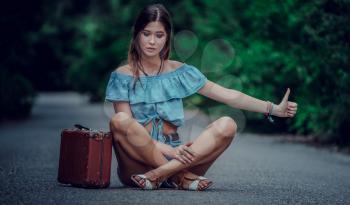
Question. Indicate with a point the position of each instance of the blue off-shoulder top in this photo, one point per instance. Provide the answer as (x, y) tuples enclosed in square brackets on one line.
[(156, 97)]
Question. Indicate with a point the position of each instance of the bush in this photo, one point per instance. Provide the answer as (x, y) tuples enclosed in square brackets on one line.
[(99, 45), (17, 96), (304, 46)]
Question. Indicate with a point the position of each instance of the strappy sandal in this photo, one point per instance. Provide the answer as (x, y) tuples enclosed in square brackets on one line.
[(147, 185), (194, 186)]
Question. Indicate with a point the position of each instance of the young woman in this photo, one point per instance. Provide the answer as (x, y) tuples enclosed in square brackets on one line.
[(147, 97)]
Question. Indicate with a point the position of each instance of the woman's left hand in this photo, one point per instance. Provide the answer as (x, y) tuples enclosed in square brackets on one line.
[(184, 153), (285, 108)]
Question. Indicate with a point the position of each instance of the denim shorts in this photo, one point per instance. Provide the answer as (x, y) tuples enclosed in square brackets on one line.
[(173, 140)]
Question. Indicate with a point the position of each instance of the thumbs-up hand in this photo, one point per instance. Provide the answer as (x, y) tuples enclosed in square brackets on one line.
[(285, 108)]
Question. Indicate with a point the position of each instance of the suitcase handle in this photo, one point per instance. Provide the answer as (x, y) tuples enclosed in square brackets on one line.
[(81, 127)]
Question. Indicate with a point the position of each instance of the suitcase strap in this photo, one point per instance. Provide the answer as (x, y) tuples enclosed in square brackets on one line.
[(79, 126)]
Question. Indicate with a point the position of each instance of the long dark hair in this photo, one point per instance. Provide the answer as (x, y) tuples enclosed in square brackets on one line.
[(151, 13)]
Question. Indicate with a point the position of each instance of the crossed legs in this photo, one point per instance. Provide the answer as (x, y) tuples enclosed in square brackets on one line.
[(136, 153)]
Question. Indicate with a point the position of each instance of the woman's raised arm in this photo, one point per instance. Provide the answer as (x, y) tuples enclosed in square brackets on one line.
[(237, 99)]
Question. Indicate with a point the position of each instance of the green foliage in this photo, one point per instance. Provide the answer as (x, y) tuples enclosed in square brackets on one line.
[(296, 44), (17, 96), (96, 51)]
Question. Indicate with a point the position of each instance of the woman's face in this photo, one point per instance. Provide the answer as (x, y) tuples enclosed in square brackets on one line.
[(152, 39)]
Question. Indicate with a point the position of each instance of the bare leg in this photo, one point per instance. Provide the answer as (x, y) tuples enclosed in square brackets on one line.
[(208, 146), (202, 168), (133, 147), (136, 141), (128, 166)]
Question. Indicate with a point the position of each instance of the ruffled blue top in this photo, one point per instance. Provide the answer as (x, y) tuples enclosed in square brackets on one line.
[(156, 97)]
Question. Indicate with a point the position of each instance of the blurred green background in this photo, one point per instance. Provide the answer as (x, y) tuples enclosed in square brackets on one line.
[(61, 45)]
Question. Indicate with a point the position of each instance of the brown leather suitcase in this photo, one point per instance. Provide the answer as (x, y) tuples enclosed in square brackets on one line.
[(85, 157)]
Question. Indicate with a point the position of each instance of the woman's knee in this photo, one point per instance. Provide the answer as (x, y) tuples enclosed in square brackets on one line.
[(228, 126), (118, 121)]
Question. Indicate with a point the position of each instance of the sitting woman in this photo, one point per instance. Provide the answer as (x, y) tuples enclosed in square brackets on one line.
[(147, 97)]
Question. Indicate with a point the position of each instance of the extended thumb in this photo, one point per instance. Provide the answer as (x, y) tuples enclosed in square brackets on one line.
[(285, 98)]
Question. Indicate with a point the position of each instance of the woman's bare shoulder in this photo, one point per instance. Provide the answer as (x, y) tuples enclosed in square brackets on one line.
[(175, 64), (124, 69)]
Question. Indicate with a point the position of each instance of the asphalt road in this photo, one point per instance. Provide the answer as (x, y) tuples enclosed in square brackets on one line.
[(253, 170)]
